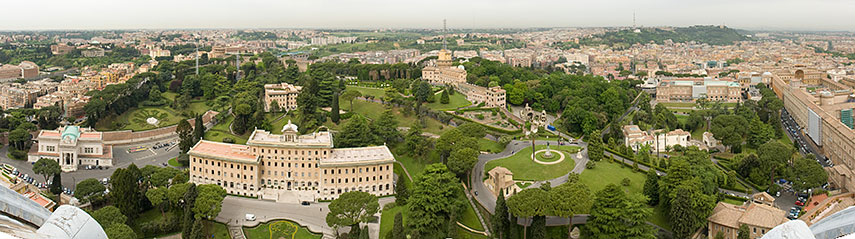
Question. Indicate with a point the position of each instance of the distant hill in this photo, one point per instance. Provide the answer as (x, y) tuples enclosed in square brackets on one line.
[(713, 35)]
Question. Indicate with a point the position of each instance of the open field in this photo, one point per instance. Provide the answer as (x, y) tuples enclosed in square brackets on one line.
[(526, 169)]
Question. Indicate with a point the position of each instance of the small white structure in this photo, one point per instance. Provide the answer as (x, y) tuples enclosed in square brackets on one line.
[(635, 138), (709, 140)]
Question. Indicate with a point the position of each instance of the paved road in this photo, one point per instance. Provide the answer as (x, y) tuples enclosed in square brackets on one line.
[(121, 159), (313, 216), (483, 195)]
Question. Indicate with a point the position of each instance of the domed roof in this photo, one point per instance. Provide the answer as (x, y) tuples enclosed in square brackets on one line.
[(70, 133), (289, 127), (767, 73), (461, 67)]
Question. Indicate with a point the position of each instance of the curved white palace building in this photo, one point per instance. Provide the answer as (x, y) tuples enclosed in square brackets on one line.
[(306, 163)]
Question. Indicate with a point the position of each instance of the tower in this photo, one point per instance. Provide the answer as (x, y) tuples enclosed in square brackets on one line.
[(444, 31), (197, 58), (633, 19)]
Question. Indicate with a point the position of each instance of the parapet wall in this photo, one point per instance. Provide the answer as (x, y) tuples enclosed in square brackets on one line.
[(131, 137)]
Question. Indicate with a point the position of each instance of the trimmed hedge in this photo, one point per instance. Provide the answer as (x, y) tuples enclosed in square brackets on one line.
[(615, 152), (751, 184), (488, 127)]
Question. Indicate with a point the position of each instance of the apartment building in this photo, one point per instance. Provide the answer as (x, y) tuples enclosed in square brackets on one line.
[(690, 89), (306, 163), (16, 95), (25, 69), (825, 113), (284, 95)]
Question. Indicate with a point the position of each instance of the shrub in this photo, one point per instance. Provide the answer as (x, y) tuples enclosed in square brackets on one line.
[(625, 182), (590, 165), (228, 140), (479, 116)]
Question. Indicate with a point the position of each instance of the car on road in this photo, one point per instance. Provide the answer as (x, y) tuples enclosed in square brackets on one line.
[(250, 217), (304, 203)]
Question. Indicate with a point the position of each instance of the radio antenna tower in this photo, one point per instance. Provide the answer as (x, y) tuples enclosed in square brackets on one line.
[(444, 31), (197, 58), (633, 19)]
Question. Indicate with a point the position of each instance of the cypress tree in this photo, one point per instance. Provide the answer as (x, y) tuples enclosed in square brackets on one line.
[(334, 112), (501, 222), (189, 201), (401, 191), (398, 227), (56, 185), (198, 129)]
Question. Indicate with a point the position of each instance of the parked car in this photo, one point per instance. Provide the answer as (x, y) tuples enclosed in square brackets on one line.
[(800, 203), (250, 217), (304, 203)]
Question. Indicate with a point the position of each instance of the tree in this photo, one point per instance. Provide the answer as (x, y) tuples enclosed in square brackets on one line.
[(334, 112), (189, 218), (46, 167), (569, 199), (124, 192), (209, 201), (422, 91), (528, 203), (185, 135), (157, 198), (689, 208), (109, 215), (595, 146), (501, 222), (154, 95), (445, 143), (18, 138), (774, 155), (350, 95), (605, 220), (352, 208), (356, 133), (807, 174), (415, 142), (398, 227), (274, 106), (759, 133), (176, 192), (56, 185), (744, 233), (161, 177), (401, 191), (436, 195), (386, 128), (119, 231), (473, 130), (651, 187), (444, 98), (729, 129), (462, 160), (198, 129), (89, 189)]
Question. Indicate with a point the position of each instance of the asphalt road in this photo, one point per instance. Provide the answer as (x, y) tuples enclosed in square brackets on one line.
[(121, 159)]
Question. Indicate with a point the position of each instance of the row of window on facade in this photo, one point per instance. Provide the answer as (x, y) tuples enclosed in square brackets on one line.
[(302, 152), (346, 171), (220, 173), (219, 164), (87, 150), (374, 188)]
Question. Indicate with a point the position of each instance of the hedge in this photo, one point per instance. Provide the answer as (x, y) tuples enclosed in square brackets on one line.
[(491, 128), (615, 152), (741, 199), (751, 184)]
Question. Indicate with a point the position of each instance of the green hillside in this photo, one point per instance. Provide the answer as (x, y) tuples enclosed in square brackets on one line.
[(713, 35)]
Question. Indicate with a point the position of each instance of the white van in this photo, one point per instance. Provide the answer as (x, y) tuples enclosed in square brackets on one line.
[(250, 217)]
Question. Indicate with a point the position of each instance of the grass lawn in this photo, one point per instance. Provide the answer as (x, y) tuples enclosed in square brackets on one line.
[(216, 230), (454, 101), (378, 92), (198, 107), (733, 201), (681, 118), (660, 218), (174, 162), (612, 173), (280, 229), (373, 111), (135, 119), (490, 146), (470, 219), (677, 104), (387, 219), (525, 169), (221, 130)]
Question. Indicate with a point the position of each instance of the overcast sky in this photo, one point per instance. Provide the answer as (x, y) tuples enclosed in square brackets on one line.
[(836, 15)]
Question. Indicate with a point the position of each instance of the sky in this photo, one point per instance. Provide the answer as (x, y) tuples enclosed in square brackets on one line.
[(817, 15)]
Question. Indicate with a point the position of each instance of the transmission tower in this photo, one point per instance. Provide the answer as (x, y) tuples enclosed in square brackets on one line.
[(197, 58), (444, 31)]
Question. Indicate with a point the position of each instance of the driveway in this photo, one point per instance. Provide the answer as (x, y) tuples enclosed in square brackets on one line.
[(313, 216), (483, 195), (121, 159)]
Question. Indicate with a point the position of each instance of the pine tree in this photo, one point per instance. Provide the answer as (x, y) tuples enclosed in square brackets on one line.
[(444, 98), (196, 232), (651, 187), (56, 185), (198, 129), (334, 116), (538, 227), (501, 222), (401, 191), (189, 202), (398, 227)]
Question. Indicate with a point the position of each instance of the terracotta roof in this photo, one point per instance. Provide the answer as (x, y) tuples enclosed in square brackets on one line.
[(498, 170), (726, 214), (754, 214), (234, 152)]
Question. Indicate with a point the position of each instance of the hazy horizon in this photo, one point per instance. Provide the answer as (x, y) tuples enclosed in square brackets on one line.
[(819, 15)]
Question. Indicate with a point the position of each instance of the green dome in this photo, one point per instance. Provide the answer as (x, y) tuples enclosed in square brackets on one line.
[(70, 131)]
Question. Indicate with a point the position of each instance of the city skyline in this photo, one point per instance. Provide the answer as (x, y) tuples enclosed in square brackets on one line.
[(824, 15)]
